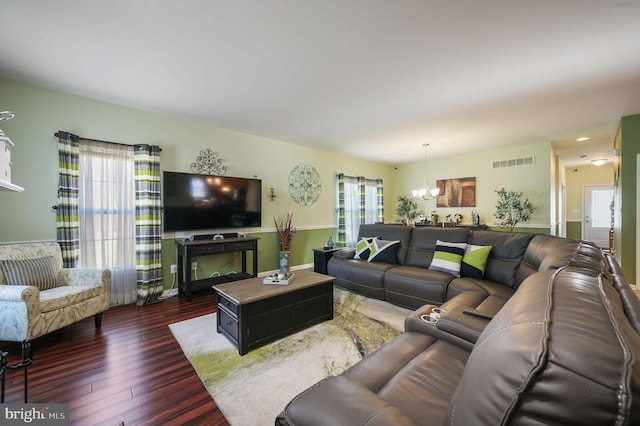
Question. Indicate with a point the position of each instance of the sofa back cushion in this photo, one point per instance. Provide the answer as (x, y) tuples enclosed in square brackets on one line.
[(24, 251), (424, 240), (507, 251), (560, 351), (390, 232), (545, 252)]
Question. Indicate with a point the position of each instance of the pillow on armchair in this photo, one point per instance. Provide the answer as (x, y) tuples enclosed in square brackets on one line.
[(39, 272)]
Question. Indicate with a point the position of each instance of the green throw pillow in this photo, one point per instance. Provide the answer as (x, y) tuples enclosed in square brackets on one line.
[(384, 251), (448, 257), (39, 272), (474, 261), (363, 248)]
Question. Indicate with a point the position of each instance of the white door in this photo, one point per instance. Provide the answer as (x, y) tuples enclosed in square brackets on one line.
[(597, 214)]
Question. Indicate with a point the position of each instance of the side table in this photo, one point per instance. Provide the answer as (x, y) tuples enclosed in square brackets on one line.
[(321, 258)]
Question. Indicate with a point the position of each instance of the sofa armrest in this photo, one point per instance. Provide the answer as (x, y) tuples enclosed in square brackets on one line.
[(338, 401), (344, 254), (19, 306), (415, 323), (85, 276), (462, 324)]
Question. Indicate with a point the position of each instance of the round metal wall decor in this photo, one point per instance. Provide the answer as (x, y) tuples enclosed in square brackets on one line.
[(208, 163), (304, 184)]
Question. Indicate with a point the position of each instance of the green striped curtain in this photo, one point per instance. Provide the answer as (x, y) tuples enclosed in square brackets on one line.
[(380, 200), (362, 192), (342, 226), (67, 227), (148, 224)]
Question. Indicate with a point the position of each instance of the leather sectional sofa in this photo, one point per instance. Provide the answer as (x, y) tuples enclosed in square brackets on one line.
[(549, 335)]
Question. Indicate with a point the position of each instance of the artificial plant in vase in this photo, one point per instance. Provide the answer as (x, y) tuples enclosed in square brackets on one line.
[(285, 231), (511, 209), (407, 210)]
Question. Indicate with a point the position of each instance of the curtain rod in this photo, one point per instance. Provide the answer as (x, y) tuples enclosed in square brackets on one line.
[(62, 133)]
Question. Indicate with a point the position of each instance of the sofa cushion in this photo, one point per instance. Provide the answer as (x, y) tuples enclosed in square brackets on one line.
[(507, 251), (412, 286), (38, 272), (389, 232), (360, 276), (409, 381), (424, 239), (474, 261), (448, 257), (67, 295), (384, 251), (545, 252)]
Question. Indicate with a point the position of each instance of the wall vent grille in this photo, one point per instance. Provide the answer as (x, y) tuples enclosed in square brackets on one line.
[(514, 162)]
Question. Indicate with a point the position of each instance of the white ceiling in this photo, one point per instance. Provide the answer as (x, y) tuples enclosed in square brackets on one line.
[(370, 78)]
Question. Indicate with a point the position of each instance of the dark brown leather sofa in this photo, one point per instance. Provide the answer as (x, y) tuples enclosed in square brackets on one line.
[(560, 346)]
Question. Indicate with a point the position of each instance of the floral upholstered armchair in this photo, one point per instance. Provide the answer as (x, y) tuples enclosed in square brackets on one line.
[(38, 295)]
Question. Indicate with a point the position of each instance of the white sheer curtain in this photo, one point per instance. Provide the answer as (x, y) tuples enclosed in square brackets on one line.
[(359, 201), (107, 215), (352, 210)]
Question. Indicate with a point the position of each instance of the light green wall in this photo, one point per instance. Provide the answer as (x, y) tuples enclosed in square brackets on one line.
[(574, 230), (628, 148), (579, 177), (534, 181), (28, 216), (41, 112)]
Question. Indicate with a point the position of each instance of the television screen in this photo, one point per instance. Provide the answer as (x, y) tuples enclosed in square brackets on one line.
[(193, 202)]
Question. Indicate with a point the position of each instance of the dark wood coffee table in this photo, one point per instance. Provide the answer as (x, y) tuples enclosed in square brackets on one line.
[(251, 313)]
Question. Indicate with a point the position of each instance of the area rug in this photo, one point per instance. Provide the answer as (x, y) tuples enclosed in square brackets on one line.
[(254, 388)]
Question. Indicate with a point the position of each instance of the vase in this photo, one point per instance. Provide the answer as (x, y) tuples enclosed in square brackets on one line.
[(284, 261)]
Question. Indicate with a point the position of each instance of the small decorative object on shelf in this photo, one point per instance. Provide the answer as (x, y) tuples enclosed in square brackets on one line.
[(432, 217), (329, 244), (454, 218), (208, 163), (475, 217), (278, 278)]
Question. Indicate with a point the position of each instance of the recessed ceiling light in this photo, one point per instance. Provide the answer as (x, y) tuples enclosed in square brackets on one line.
[(582, 139), (599, 161)]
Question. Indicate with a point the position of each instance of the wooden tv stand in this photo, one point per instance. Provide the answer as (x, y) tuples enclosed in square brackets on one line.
[(187, 250)]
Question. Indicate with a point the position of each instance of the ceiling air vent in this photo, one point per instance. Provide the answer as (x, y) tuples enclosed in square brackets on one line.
[(524, 161)]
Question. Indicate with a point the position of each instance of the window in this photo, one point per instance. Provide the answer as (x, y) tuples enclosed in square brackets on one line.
[(106, 213), (360, 201)]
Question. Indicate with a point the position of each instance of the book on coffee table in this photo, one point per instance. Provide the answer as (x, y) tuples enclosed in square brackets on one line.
[(278, 278)]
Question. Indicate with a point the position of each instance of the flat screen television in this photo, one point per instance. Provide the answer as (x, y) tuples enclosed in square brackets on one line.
[(196, 202)]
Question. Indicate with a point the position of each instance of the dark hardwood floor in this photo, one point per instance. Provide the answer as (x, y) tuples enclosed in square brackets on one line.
[(131, 370)]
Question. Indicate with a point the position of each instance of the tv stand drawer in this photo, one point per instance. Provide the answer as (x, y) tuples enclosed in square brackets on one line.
[(207, 249)]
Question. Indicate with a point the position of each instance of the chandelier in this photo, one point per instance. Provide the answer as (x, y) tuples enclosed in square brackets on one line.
[(425, 193)]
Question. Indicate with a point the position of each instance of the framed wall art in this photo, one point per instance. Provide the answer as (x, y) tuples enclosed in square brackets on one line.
[(459, 192)]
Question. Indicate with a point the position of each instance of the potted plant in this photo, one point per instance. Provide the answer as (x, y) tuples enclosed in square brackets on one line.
[(407, 210), (511, 209), (285, 231)]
